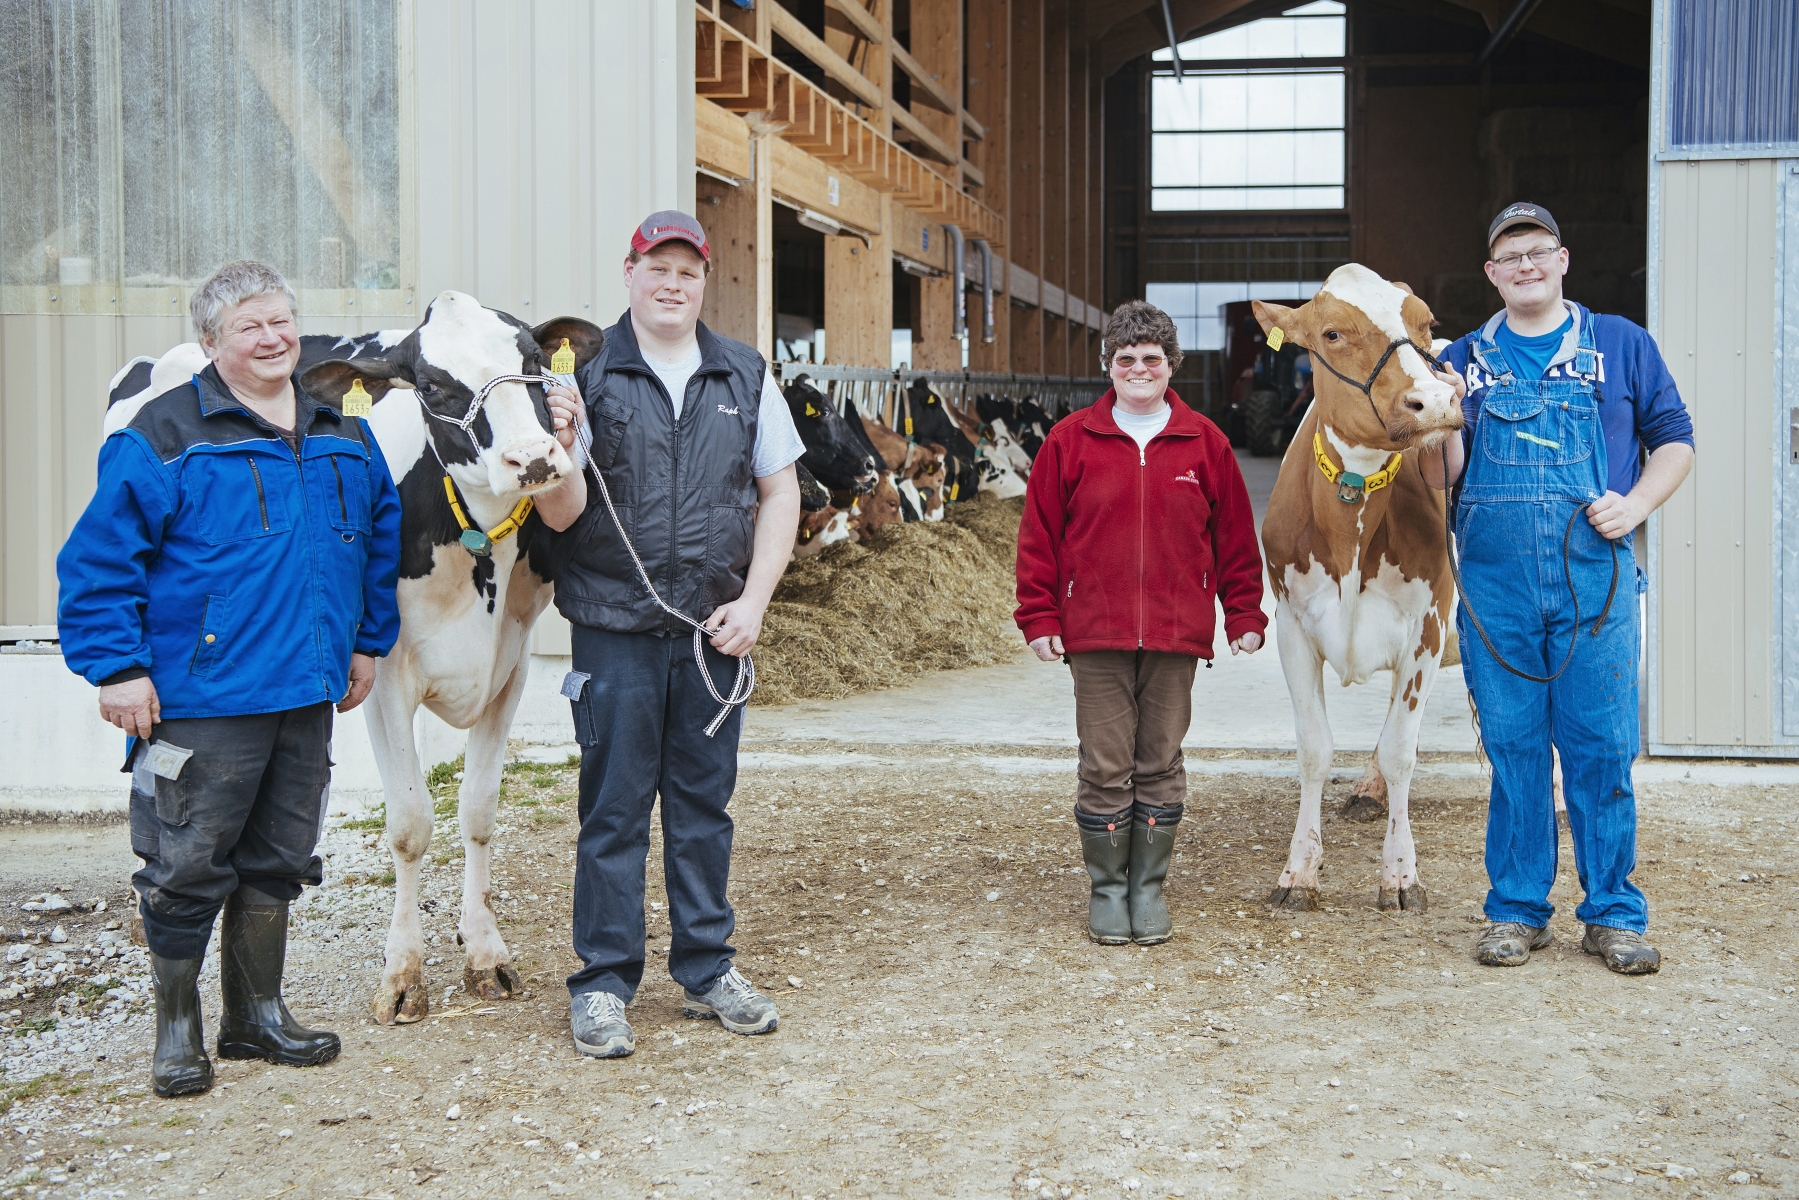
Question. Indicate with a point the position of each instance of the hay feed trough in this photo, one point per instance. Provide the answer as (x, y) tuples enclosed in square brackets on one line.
[(913, 597)]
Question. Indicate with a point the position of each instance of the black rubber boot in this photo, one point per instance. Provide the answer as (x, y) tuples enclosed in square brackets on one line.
[(1152, 848), (181, 1067), (256, 1023), (1106, 849)]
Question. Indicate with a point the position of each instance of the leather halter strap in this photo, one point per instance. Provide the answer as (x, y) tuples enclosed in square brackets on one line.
[(1367, 388)]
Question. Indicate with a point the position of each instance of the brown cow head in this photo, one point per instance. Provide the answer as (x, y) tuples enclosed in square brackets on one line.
[(1348, 326)]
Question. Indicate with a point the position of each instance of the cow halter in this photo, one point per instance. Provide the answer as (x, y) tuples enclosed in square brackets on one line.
[(1367, 388), (466, 421), (1351, 488)]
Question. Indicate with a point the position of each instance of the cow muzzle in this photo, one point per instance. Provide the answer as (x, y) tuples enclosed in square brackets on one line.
[(532, 464)]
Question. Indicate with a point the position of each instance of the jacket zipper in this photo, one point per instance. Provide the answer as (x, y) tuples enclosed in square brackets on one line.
[(342, 508), (1142, 504), (262, 502)]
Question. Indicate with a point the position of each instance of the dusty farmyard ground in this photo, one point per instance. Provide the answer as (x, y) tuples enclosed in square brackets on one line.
[(948, 1030)]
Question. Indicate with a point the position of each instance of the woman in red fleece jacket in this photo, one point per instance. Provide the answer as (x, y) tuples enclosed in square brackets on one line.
[(1136, 524)]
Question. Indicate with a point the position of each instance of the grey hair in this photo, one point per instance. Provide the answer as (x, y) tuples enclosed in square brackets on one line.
[(230, 286)]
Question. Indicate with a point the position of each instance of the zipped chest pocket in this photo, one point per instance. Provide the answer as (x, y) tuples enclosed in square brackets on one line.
[(345, 480), (236, 495)]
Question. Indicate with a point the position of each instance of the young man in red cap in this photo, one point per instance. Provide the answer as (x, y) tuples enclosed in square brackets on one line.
[(697, 449)]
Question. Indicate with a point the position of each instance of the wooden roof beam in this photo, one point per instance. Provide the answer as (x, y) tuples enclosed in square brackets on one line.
[(833, 64)]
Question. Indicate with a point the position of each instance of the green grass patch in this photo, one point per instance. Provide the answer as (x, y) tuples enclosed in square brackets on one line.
[(385, 879), (375, 822), (37, 1024), (547, 817), (176, 1121), (444, 774), (25, 1091), (120, 1097)]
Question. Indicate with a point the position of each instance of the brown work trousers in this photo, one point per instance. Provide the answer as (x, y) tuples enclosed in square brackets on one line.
[(1131, 710)]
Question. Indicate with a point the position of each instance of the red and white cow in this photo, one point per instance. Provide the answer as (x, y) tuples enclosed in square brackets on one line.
[(1356, 555)]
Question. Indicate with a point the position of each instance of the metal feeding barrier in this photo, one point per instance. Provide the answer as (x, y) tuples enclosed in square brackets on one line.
[(876, 391)]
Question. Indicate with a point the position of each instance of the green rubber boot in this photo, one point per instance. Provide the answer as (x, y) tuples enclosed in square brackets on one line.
[(1152, 849), (1106, 849)]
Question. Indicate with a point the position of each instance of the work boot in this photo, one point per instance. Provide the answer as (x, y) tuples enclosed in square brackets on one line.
[(736, 1003), (1624, 950), (1509, 943), (181, 1067), (1152, 848), (255, 1022), (1106, 849), (597, 1019)]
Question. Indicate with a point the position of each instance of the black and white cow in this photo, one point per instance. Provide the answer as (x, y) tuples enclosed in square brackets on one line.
[(465, 619), (834, 455)]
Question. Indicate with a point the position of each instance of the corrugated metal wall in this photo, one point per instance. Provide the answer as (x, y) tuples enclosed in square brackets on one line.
[(1714, 627), (534, 134)]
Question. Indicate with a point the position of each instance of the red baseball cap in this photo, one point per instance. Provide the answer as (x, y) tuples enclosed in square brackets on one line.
[(667, 226)]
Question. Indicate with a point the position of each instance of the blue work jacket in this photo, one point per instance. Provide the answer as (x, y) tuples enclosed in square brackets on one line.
[(237, 575)]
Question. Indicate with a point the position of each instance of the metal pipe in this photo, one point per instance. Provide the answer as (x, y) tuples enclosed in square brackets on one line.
[(1174, 48), (1502, 37), (958, 271), (987, 334)]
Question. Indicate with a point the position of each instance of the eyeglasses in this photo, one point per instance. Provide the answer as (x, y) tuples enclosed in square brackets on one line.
[(1125, 362), (1511, 262)]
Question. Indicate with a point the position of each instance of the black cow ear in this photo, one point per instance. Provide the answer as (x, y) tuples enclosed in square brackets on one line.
[(332, 379), (584, 337)]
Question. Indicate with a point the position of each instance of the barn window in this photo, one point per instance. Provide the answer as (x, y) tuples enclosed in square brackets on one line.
[(1192, 279), (1247, 136), (1733, 75), (143, 144)]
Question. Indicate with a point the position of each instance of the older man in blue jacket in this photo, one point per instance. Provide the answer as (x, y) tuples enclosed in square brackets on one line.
[(231, 581)]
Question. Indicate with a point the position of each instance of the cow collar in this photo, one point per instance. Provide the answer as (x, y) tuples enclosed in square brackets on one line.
[(1353, 488), (474, 540)]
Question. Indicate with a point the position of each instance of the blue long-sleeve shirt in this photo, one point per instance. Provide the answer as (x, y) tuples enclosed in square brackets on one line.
[(1639, 405), (239, 575)]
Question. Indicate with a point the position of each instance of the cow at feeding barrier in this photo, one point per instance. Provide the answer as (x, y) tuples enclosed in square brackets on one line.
[(834, 454), (1356, 554)]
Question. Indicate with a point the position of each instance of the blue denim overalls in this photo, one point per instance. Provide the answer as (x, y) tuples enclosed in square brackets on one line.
[(1538, 455)]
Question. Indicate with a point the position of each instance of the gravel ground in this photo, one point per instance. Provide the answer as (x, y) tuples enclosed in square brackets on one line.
[(946, 1027)]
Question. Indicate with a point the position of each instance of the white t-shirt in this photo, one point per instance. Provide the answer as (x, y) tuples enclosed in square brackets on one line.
[(1140, 428), (777, 441)]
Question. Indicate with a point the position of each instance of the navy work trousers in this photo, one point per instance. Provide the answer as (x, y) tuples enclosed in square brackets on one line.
[(641, 722), (244, 812)]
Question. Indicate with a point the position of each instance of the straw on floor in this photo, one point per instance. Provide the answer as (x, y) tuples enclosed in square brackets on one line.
[(917, 597)]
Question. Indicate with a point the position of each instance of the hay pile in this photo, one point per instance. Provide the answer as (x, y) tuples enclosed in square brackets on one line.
[(914, 597)]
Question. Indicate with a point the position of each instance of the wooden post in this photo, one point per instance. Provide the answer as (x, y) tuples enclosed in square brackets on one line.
[(859, 297), (1024, 218), (728, 215), (988, 98), (1057, 210)]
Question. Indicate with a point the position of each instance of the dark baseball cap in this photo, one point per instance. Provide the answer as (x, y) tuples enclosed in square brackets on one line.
[(1521, 213), (667, 226)]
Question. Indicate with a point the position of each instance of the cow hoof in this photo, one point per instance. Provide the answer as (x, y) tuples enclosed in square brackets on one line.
[(1410, 899), (501, 982), (402, 1008), (1364, 808), (1294, 899)]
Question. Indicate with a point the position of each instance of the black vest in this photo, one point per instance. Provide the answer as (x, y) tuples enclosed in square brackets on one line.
[(684, 490)]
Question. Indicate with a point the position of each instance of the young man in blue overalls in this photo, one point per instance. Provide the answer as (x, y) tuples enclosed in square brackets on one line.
[(1561, 406)]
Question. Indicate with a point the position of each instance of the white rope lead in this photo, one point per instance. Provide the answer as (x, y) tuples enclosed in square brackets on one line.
[(746, 667)]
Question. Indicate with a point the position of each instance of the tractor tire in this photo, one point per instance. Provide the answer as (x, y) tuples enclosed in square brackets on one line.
[(1262, 432)]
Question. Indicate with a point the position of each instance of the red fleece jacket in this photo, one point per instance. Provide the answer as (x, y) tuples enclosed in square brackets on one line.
[(1121, 550)]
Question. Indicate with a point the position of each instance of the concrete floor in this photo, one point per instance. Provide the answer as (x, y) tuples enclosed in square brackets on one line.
[(1239, 704)]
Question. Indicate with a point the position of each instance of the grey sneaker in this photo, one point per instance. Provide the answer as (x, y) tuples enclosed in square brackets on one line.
[(1509, 943), (598, 1022), (736, 1003), (1624, 950)]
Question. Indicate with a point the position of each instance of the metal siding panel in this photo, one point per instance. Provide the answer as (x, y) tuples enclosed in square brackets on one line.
[(1676, 577), (1718, 560), (1761, 180)]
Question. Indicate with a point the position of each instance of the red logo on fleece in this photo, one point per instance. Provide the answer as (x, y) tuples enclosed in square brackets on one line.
[(1189, 477)]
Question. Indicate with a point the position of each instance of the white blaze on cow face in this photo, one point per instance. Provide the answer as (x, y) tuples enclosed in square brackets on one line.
[(1383, 304), (471, 343)]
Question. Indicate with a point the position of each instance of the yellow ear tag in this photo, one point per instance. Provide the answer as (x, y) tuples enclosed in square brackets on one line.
[(357, 402), (908, 426), (1276, 339), (810, 411), (563, 361)]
